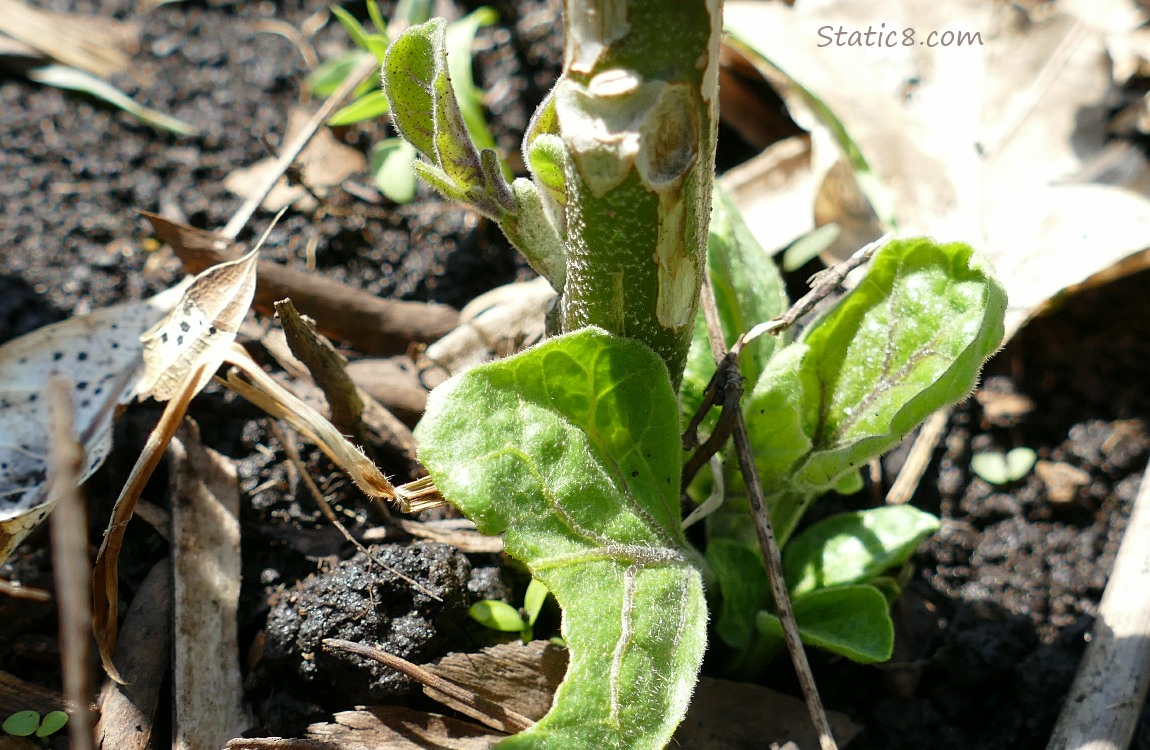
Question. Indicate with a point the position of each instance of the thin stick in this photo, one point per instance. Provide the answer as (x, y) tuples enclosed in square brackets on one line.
[(918, 459), (822, 283), (329, 514), (292, 151), (70, 563), (1104, 703), (486, 710), (769, 545)]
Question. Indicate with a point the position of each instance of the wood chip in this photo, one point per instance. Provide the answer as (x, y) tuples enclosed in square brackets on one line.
[(143, 656), (208, 686)]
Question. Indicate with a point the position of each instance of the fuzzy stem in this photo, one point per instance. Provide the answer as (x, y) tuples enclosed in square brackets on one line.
[(637, 108)]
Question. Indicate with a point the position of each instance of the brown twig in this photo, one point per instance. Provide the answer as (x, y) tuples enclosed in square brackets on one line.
[(725, 389), (822, 283), (772, 557), (481, 708), (292, 150), (325, 508), (70, 562)]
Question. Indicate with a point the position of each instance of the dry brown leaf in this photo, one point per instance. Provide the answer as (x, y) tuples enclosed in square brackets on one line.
[(1003, 144), (100, 353)]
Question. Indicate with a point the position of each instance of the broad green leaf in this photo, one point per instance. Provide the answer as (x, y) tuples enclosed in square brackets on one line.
[(999, 468), (743, 587), (907, 341), (53, 722), (22, 723), (74, 79), (748, 290), (426, 112), (391, 163), (497, 615), (571, 450), (850, 620), (854, 547), (368, 107)]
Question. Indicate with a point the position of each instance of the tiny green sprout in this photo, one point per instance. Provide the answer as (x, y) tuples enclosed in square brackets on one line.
[(28, 723), (1000, 468), (501, 616)]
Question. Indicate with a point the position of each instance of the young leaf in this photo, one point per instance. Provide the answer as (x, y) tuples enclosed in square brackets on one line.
[(376, 44), (533, 600), (327, 77), (743, 587), (22, 723), (998, 468), (907, 341), (497, 615), (460, 38), (390, 162), (571, 449), (368, 107), (74, 79), (850, 620), (854, 547), (426, 112), (53, 722)]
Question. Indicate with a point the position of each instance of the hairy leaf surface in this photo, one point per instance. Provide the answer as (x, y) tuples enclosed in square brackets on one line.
[(571, 450)]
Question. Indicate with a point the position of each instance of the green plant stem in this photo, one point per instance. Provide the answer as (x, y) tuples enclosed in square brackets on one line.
[(637, 108)]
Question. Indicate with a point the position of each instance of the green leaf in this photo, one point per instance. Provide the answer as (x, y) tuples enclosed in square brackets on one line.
[(497, 615), (426, 112), (850, 620), (53, 722), (907, 341), (376, 17), (748, 290), (328, 75), (854, 547), (368, 107), (74, 79), (533, 600), (411, 12), (22, 723), (998, 468), (744, 589), (376, 44), (571, 449), (391, 163), (460, 38)]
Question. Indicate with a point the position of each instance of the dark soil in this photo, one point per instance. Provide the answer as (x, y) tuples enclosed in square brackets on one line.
[(999, 605)]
